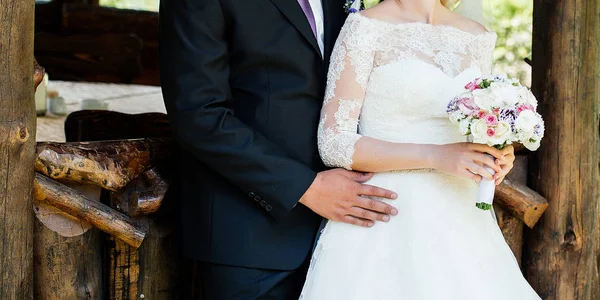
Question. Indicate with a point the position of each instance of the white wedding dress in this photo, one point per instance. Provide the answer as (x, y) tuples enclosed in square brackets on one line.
[(392, 82)]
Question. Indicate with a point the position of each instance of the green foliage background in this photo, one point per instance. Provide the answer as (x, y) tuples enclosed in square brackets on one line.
[(510, 19)]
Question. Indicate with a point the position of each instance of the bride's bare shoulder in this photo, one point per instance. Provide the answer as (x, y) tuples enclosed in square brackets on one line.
[(384, 11), (468, 25)]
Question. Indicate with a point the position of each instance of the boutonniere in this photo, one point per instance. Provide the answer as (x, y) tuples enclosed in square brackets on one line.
[(353, 6)]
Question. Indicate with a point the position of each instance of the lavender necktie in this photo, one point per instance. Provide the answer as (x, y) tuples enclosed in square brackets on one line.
[(305, 4)]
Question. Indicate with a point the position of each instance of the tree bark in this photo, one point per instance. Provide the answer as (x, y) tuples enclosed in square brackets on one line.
[(68, 267), (562, 253), (110, 165), (77, 205), (17, 149)]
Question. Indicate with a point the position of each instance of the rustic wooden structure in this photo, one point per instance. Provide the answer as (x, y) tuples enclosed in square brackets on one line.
[(119, 266), (17, 142), (102, 254), (80, 40), (562, 252)]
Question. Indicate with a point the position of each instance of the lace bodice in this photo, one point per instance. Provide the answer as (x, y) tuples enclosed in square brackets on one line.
[(393, 82)]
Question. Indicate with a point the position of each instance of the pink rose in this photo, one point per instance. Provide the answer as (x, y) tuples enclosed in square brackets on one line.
[(466, 105), (491, 132), (481, 114), (523, 107), (471, 86), (491, 120)]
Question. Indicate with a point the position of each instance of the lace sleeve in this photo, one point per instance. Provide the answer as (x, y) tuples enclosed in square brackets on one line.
[(485, 51), (351, 64)]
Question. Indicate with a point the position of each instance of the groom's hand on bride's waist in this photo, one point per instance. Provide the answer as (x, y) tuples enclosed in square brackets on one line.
[(341, 195)]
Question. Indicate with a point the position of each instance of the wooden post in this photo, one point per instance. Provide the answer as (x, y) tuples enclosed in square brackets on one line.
[(67, 253), (511, 225), (17, 149), (68, 267), (562, 253)]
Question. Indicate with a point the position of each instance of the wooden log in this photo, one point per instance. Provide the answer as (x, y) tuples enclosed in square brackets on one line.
[(107, 44), (142, 196), (110, 164), (562, 253), (67, 253), (89, 125), (90, 56), (102, 217), (38, 74), (154, 270), (17, 149), (148, 201), (511, 225), (522, 201), (59, 221)]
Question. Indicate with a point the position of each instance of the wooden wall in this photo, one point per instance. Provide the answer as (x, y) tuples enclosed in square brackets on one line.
[(78, 40)]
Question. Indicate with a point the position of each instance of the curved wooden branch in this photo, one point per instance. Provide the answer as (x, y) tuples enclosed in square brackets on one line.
[(97, 214), (38, 74), (522, 201), (143, 196), (108, 164), (148, 201)]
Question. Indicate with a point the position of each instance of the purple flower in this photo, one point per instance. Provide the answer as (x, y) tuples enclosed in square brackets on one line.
[(352, 10)]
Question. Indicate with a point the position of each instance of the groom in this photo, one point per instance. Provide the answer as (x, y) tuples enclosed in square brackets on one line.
[(243, 82)]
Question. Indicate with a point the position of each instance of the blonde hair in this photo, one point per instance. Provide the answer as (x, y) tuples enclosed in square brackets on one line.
[(449, 3)]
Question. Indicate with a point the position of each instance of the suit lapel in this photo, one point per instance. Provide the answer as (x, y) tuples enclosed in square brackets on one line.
[(293, 12)]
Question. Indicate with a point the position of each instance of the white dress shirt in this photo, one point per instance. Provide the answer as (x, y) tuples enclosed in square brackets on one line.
[(317, 8)]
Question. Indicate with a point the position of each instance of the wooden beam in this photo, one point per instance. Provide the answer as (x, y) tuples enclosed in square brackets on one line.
[(97, 214), (79, 18), (108, 164), (562, 252), (522, 201), (17, 144)]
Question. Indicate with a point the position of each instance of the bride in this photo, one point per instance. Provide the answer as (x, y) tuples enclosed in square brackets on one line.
[(394, 69)]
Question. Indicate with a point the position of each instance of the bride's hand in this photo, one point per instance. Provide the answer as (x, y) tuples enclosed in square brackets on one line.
[(507, 164), (468, 160)]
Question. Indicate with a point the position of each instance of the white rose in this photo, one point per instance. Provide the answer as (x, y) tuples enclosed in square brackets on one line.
[(502, 134), (526, 121), (479, 132), (456, 116), (532, 144), (484, 99), (463, 126), (505, 93), (530, 99)]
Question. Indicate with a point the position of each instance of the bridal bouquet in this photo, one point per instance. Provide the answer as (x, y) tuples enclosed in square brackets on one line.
[(497, 111)]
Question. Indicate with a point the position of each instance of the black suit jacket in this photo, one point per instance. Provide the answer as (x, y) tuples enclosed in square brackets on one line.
[(243, 83)]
